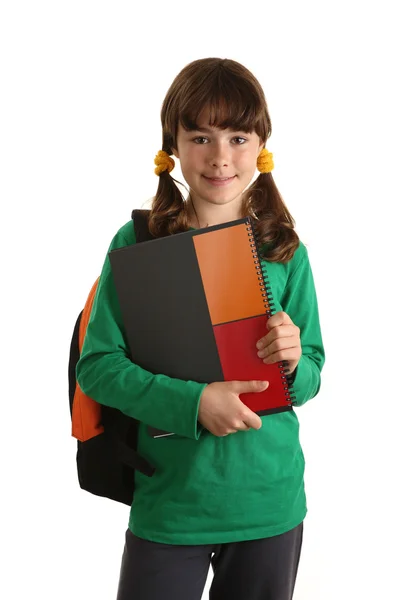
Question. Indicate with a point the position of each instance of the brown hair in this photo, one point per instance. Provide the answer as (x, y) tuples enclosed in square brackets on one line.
[(207, 83)]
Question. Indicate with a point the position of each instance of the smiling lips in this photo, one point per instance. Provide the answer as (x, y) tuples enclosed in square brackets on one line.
[(219, 181)]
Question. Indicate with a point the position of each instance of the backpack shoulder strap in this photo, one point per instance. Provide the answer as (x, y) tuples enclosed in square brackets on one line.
[(141, 224)]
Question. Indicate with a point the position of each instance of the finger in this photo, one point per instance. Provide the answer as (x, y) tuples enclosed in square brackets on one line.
[(244, 428), (252, 420), (278, 319), (279, 345), (285, 331), (241, 425), (287, 354), (245, 387)]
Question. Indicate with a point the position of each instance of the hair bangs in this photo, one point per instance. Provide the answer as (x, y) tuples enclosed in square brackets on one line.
[(228, 102)]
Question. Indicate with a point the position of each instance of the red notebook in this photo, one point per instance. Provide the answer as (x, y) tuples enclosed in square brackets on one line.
[(205, 298)]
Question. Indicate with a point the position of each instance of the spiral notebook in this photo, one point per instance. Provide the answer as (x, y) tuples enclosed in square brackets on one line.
[(194, 305)]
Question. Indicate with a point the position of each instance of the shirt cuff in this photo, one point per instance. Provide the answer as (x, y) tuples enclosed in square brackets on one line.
[(301, 381)]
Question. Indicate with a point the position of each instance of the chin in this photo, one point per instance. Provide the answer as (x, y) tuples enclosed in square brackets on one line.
[(222, 201)]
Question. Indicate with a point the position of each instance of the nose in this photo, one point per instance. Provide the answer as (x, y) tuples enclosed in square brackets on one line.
[(219, 155)]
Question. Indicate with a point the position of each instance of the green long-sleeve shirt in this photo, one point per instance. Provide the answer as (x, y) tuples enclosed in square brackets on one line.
[(206, 489)]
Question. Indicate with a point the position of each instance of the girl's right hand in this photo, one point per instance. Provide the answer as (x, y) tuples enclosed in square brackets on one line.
[(222, 412)]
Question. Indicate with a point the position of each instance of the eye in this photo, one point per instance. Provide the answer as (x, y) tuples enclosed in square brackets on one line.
[(196, 140), (239, 140)]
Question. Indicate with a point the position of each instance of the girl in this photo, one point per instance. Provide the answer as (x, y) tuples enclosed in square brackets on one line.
[(235, 501)]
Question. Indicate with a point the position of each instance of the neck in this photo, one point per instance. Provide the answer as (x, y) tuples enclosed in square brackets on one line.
[(205, 215)]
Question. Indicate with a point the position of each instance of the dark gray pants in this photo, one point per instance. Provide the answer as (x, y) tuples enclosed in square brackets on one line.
[(263, 569)]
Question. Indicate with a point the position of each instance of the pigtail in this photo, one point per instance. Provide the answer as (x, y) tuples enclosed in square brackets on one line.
[(168, 214), (273, 223)]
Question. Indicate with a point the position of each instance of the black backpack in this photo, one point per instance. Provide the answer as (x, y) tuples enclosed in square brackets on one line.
[(107, 438)]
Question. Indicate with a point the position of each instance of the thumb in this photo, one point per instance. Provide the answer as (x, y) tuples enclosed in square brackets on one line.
[(245, 387)]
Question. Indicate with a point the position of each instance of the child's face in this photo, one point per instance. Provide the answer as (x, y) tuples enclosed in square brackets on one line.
[(211, 153)]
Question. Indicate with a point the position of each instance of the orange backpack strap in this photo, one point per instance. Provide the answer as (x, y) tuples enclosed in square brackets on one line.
[(86, 413)]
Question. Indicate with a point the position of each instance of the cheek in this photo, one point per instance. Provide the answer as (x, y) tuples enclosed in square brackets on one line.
[(188, 164), (193, 160), (247, 161)]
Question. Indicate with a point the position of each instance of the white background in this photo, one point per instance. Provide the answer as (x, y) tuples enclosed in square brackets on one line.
[(82, 86)]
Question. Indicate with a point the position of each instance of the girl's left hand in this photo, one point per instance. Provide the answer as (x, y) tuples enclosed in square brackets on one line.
[(282, 341)]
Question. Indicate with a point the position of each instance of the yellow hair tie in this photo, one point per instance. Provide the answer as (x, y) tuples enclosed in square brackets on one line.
[(265, 164), (164, 162)]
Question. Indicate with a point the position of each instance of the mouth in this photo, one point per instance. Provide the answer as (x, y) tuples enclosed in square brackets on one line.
[(219, 181)]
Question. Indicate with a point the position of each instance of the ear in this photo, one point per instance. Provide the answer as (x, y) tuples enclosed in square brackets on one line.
[(175, 152), (260, 147)]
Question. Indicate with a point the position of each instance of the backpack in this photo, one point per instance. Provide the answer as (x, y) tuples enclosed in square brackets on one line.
[(106, 438)]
